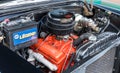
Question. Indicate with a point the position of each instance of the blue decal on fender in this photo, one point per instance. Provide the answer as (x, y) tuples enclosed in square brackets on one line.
[(24, 36)]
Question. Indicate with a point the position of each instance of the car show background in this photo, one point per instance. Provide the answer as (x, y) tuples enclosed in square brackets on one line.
[(114, 4)]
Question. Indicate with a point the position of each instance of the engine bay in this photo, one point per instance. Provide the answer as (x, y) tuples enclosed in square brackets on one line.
[(59, 39)]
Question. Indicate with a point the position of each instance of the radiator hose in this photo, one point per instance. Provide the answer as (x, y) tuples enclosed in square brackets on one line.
[(81, 38)]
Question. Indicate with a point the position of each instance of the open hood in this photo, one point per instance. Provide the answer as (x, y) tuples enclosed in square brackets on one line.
[(4, 4), (9, 3)]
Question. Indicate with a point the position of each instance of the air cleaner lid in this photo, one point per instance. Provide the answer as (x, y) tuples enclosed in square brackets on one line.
[(60, 13)]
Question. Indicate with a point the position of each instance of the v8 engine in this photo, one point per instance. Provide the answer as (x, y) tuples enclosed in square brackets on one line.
[(61, 39), (60, 46), (57, 47)]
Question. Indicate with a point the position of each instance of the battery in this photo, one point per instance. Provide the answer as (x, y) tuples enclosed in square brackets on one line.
[(20, 34)]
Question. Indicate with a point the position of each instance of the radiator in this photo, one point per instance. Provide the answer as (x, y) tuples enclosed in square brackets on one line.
[(101, 63)]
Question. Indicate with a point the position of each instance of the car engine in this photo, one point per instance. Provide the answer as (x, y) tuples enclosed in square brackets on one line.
[(59, 40)]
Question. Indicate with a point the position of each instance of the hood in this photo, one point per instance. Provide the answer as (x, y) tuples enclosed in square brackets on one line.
[(8, 3), (4, 4)]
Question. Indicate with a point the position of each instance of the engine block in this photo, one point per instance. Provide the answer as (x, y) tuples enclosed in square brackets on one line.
[(56, 51)]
